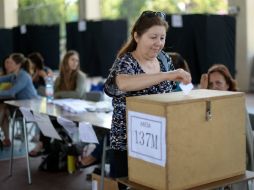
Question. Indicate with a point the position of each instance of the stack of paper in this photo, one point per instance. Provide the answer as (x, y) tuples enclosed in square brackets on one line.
[(73, 105), (78, 106)]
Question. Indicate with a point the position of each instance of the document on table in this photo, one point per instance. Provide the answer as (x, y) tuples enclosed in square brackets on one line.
[(45, 125), (74, 105), (86, 133), (27, 114)]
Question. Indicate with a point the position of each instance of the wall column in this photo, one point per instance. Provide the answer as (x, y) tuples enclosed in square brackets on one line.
[(8, 13), (244, 42), (89, 9)]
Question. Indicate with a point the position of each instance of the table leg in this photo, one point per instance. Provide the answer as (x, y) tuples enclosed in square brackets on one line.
[(1, 145), (27, 155), (12, 140), (103, 161)]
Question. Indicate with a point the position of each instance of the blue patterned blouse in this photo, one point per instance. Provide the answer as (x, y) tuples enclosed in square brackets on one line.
[(127, 64)]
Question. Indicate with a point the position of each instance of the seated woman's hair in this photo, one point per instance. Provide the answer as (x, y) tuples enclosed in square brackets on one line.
[(4, 72), (37, 60), (179, 62), (223, 70), (19, 58)]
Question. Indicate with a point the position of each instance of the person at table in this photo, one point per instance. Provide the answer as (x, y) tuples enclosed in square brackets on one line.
[(4, 86), (5, 71), (21, 86), (71, 83), (40, 71), (218, 77), (138, 70), (179, 63)]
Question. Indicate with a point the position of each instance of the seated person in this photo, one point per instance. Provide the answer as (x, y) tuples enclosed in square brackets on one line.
[(69, 84), (219, 78), (39, 71), (21, 86), (5, 71), (4, 86), (179, 63)]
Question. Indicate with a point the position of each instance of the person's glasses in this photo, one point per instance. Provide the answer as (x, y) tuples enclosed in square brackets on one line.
[(162, 15)]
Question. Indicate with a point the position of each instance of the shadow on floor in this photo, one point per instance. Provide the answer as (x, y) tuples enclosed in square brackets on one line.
[(41, 180)]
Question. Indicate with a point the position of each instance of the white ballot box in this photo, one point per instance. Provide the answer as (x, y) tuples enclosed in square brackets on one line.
[(178, 141)]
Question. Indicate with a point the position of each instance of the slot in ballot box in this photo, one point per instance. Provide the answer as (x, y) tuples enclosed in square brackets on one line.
[(178, 141)]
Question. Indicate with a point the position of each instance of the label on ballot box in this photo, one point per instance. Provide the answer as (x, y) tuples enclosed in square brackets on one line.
[(146, 137)]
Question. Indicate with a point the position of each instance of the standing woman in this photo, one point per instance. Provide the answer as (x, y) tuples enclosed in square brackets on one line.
[(21, 86), (71, 82), (138, 70)]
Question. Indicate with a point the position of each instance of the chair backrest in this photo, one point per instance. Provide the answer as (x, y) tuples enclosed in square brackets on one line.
[(94, 96)]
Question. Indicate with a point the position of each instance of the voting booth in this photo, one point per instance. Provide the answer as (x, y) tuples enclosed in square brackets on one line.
[(178, 141)]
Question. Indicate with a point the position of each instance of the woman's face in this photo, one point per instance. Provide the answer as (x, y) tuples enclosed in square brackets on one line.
[(151, 42), (217, 82), (11, 66), (73, 62)]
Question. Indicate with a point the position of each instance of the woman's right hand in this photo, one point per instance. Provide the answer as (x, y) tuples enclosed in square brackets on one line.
[(181, 76)]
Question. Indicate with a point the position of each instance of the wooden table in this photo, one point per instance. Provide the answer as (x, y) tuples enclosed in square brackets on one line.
[(217, 184), (100, 120)]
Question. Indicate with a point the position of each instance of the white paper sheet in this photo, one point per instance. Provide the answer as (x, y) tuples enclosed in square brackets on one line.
[(45, 125), (86, 133), (70, 127), (74, 105), (186, 88), (23, 29), (27, 114), (79, 106), (82, 26), (177, 21), (147, 137)]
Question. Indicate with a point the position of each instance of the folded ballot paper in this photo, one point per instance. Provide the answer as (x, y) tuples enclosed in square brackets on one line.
[(186, 88)]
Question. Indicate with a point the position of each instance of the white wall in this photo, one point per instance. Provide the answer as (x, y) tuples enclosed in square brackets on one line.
[(8, 13), (89, 9), (244, 42)]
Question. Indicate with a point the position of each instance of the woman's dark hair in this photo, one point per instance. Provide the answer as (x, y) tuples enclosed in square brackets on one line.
[(37, 60), (223, 70), (178, 61), (4, 72), (146, 20), (19, 58)]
